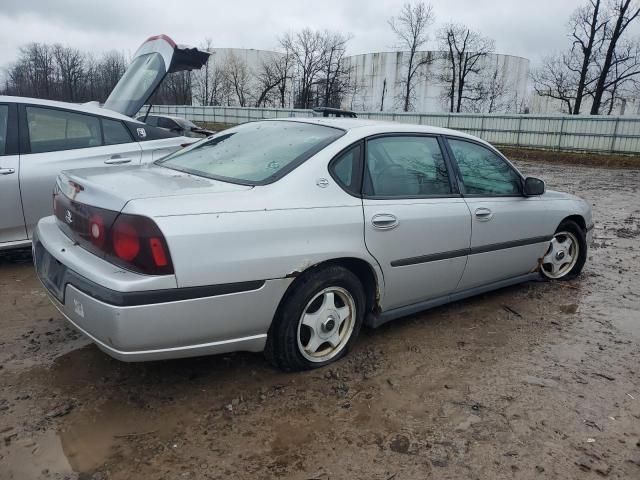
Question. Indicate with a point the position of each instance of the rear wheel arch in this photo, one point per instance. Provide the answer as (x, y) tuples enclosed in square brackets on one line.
[(359, 267), (283, 347)]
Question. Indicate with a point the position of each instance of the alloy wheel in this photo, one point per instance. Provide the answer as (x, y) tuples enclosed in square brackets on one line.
[(561, 256), (326, 324)]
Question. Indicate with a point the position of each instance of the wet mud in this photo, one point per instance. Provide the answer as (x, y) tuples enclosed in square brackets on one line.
[(540, 380)]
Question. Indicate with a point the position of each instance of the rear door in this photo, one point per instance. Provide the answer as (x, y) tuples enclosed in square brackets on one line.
[(55, 139), (508, 229), (417, 225), (11, 218)]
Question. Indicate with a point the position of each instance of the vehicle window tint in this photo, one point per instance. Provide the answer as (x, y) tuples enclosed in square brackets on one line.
[(484, 172), (151, 120), (404, 167), (4, 115), (53, 130), (345, 170), (114, 132), (167, 123)]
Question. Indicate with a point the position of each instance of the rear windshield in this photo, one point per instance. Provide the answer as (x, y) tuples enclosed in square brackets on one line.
[(136, 85), (253, 153)]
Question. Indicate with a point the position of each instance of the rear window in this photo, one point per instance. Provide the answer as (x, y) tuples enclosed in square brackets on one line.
[(254, 153), (115, 132)]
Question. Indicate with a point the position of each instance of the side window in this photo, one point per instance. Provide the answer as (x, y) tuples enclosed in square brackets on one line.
[(115, 132), (167, 123), (405, 166), (345, 170), (54, 130), (484, 172), (4, 117), (151, 121)]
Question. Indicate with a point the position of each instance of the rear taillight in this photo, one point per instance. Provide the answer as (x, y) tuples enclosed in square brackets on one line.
[(132, 242), (138, 244), (125, 240)]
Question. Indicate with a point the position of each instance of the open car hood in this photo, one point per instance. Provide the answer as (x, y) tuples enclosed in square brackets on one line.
[(156, 57)]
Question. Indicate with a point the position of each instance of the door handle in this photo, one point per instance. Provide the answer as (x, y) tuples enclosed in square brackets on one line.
[(117, 160), (384, 221), (483, 214), (7, 171)]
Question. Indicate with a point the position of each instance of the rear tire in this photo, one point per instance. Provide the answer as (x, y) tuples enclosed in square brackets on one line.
[(567, 253), (317, 321)]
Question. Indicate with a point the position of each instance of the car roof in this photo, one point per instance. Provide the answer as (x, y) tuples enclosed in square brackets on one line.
[(373, 127), (93, 108)]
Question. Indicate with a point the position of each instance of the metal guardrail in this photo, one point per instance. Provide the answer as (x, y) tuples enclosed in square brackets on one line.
[(553, 132)]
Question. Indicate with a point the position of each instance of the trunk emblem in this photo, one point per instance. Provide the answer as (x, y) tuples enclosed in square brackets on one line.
[(68, 217)]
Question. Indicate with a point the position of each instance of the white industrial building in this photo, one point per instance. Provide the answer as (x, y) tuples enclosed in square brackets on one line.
[(377, 81)]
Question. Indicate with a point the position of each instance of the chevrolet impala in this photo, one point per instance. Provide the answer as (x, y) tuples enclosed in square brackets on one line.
[(287, 236)]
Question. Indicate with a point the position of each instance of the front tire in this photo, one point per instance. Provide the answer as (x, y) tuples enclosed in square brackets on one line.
[(318, 320), (566, 254)]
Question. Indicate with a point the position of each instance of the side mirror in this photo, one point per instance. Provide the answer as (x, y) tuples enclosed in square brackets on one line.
[(533, 186)]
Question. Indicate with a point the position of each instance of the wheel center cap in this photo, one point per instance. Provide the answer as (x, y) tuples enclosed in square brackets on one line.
[(329, 324), (559, 255)]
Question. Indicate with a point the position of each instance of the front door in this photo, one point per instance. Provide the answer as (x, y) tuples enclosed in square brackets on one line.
[(11, 217), (508, 229), (416, 224), (64, 140)]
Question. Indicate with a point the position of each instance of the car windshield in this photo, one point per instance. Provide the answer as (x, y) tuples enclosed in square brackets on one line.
[(255, 152)]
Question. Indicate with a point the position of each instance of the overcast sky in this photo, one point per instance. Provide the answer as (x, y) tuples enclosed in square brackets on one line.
[(520, 27)]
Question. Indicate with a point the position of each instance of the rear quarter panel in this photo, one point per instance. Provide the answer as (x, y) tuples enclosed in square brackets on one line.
[(270, 231)]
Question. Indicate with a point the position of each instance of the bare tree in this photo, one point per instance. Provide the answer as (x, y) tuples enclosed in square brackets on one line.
[(624, 13), (334, 76), (203, 78), (554, 80), (307, 49), (587, 32), (411, 28), (623, 74), (175, 89), (272, 80), (499, 93), (70, 65), (239, 78), (466, 53)]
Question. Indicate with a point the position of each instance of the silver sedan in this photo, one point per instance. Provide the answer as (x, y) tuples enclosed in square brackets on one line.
[(286, 236)]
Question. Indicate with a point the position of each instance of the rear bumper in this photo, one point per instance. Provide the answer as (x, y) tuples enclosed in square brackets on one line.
[(173, 324)]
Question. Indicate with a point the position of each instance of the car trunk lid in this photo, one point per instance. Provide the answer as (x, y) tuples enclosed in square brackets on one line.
[(112, 189), (157, 56)]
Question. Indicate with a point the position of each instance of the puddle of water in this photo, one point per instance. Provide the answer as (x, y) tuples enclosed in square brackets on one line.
[(626, 320), (35, 458), (89, 435)]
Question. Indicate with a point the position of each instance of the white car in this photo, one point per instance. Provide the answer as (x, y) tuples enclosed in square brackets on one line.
[(288, 235), (40, 138)]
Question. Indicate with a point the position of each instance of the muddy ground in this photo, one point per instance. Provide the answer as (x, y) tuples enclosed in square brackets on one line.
[(535, 381)]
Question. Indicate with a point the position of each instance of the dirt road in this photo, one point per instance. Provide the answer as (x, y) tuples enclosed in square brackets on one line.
[(536, 381)]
